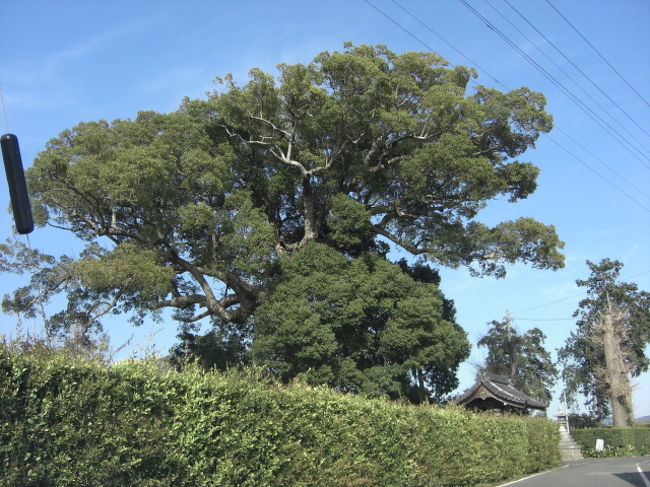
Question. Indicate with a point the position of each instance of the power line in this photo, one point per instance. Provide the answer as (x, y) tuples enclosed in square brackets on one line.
[(617, 173), (474, 63), (492, 27), (566, 298), (587, 77), (402, 27), (384, 14), (603, 163), (598, 52), (599, 174), (552, 139), (543, 319), (551, 302), (586, 109), (562, 70)]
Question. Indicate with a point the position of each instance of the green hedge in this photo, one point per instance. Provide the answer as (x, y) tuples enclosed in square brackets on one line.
[(65, 422), (626, 442)]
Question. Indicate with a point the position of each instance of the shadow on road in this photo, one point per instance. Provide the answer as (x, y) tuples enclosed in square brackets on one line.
[(632, 478)]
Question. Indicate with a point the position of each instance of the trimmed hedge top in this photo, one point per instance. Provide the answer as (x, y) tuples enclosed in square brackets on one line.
[(65, 422), (619, 442)]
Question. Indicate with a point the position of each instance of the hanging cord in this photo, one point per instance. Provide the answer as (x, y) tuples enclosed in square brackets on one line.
[(4, 110)]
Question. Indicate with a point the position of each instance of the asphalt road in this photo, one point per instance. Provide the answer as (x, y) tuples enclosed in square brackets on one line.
[(605, 472)]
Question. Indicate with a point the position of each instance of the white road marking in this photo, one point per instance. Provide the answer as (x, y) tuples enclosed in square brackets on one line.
[(526, 478), (645, 479)]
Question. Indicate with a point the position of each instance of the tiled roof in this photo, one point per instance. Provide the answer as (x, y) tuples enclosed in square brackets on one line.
[(501, 388)]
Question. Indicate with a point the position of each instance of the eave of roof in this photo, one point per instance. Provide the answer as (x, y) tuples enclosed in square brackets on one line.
[(501, 389)]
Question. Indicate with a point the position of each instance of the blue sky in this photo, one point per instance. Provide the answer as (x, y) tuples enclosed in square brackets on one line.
[(70, 61)]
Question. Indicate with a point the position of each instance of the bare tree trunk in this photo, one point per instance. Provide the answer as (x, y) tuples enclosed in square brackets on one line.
[(616, 370), (311, 230)]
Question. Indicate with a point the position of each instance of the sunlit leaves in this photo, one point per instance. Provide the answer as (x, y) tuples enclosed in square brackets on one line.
[(128, 268), (348, 220)]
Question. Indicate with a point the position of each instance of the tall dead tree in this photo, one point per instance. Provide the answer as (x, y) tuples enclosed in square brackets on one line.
[(617, 370), (608, 346)]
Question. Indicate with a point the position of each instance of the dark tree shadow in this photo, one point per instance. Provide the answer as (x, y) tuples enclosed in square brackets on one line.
[(632, 478)]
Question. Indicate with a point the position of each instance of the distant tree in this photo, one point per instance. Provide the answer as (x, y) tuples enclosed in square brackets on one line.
[(521, 357), (360, 325), (583, 421), (608, 346)]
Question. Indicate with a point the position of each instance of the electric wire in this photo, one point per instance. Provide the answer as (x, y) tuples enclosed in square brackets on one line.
[(600, 175), (4, 110), (411, 34), (542, 319), (566, 298), (562, 70), (587, 77), (474, 63), (384, 14), (599, 53), (585, 108), (402, 27), (602, 163)]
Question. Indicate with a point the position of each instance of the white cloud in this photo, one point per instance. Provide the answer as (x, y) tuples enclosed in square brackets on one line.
[(84, 48)]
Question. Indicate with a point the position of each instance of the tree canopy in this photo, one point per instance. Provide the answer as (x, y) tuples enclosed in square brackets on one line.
[(215, 210), (357, 150), (360, 325), (521, 357), (609, 343)]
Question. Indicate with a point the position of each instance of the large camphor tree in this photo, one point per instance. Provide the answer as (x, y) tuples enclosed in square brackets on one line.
[(608, 346), (360, 151)]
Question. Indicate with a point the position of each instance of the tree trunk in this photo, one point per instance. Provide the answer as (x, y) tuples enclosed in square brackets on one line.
[(616, 371), (311, 230)]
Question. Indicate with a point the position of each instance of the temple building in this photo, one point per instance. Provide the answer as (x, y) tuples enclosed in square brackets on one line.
[(493, 392)]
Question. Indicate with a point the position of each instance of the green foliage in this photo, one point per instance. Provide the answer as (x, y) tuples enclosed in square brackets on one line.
[(67, 422), (580, 421), (361, 150), (355, 149), (619, 442), (221, 348), (360, 325), (78, 324), (247, 237), (133, 269), (348, 220), (521, 357)]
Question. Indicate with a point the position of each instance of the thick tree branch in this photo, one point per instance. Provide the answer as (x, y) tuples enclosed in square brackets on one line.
[(286, 133), (107, 307), (409, 247), (181, 301), (195, 318), (211, 302)]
